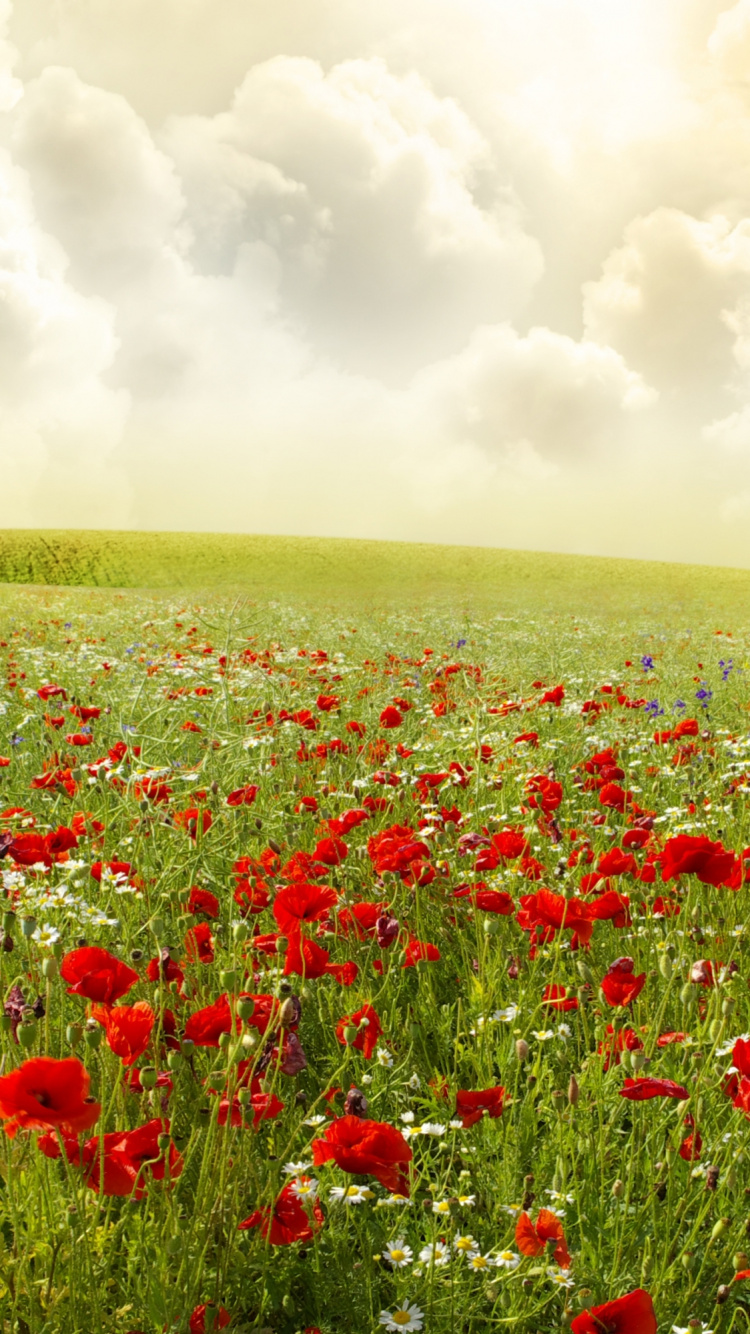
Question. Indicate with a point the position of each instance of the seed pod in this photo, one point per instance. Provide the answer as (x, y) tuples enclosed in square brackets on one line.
[(350, 1034), (228, 979), (175, 1060), (637, 1060), (618, 1188), (522, 1049), (722, 1294), (585, 971), (558, 1100), (148, 1077), (93, 1036), (716, 1029), (491, 926), (573, 1091), (245, 1008), (28, 926), (50, 968), (740, 1261), (665, 967), (26, 1034), (282, 945), (73, 1034), (240, 932), (163, 1142), (9, 921), (719, 1227), (290, 1012), (712, 1178)]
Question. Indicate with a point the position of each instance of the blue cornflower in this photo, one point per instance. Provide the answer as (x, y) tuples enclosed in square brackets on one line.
[(679, 704), (647, 662), (653, 708), (704, 695)]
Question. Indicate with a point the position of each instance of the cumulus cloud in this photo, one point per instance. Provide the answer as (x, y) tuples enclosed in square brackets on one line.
[(477, 272)]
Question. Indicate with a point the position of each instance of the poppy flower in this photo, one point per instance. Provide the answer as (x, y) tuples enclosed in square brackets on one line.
[(205, 1319), (471, 1106), (243, 796), (531, 1238), (617, 862), (96, 974), (128, 1028), (45, 1093), (206, 1026), (636, 1090), (624, 1039), (367, 1034), (556, 998), (300, 903), (287, 1221), (487, 900), (203, 901), (360, 919), (373, 1148), (331, 851), (115, 1165), (686, 854), (48, 692), (619, 985), (164, 969), (631, 1314), (114, 869), (199, 943), (327, 703), (390, 717), (189, 819), (419, 951)]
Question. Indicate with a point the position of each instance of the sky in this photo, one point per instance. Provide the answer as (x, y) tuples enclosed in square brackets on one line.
[(464, 271)]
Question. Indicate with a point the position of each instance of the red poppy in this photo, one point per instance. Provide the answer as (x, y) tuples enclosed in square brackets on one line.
[(554, 696), (287, 1221), (114, 868), (206, 1026), (189, 819), (96, 974), (243, 796), (471, 1106), (531, 1238), (419, 951), (696, 855), (205, 1319), (128, 1028), (79, 738), (371, 1147), (43, 1093), (617, 862), (487, 900), (667, 1039), (116, 1164), (556, 998), (625, 1039), (390, 717), (619, 985), (164, 969), (203, 901), (631, 1314), (199, 943), (327, 703), (331, 851), (361, 919), (367, 1034), (636, 1090), (48, 692), (300, 903)]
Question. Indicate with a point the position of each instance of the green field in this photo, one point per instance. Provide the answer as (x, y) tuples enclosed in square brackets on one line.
[(335, 568)]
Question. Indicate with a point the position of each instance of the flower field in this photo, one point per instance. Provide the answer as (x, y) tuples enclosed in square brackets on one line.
[(372, 971)]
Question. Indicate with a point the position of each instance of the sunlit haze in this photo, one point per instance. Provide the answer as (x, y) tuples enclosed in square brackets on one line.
[(467, 271)]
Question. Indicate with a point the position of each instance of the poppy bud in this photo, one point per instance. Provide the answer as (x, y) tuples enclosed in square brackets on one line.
[(50, 968), (273, 845), (243, 1097), (159, 927), (215, 788), (386, 928), (228, 978), (187, 1047), (585, 971), (355, 1104), (728, 1006), (665, 967), (716, 1029), (573, 1091), (558, 1100), (245, 1007), (26, 1033), (93, 1035), (73, 1034), (618, 1188), (8, 944), (350, 1033), (215, 1080), (722, 1294), (9, 921), (688, 1260), (28, 926), (740, 1261), (174, 1060), (282, 945), (522, 1049), (719, 1227), (414, 1030), (224, 1040), (491, 926), (163, 1142), (240, 932), (637, 1060), (687, 994), (290, 1012), (148, 1077)]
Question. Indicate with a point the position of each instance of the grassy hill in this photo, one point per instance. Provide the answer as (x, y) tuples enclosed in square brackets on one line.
[(344, 569)]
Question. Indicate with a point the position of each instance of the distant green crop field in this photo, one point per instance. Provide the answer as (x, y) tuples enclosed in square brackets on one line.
[(342, 569)]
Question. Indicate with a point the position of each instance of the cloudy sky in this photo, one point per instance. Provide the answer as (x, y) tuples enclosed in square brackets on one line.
[(444, 270)]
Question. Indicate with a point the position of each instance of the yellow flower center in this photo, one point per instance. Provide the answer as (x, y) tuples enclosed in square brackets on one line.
[(401, 1318), (464, 1243), (398, 1256)]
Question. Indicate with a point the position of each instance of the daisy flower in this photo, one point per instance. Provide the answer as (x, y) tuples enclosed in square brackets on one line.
[(350, 1194), (507, 1260), (398, 1254), (466, 1245), (439, 1254), (404, 1318)]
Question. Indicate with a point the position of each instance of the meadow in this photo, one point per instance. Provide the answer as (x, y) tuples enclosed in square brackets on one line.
[(375, 954)]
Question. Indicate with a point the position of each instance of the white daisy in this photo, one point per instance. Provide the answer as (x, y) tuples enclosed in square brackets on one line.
[(294, 1169), (507, 1260), (350, 1194), (383, 1057), (398, 1254), (466, 1245), (404, 1318), (480, 1263), (439, 1254), (432, 1128), (304, 1188)]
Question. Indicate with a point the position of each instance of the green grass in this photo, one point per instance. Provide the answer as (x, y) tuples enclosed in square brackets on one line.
[(336, 568)]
